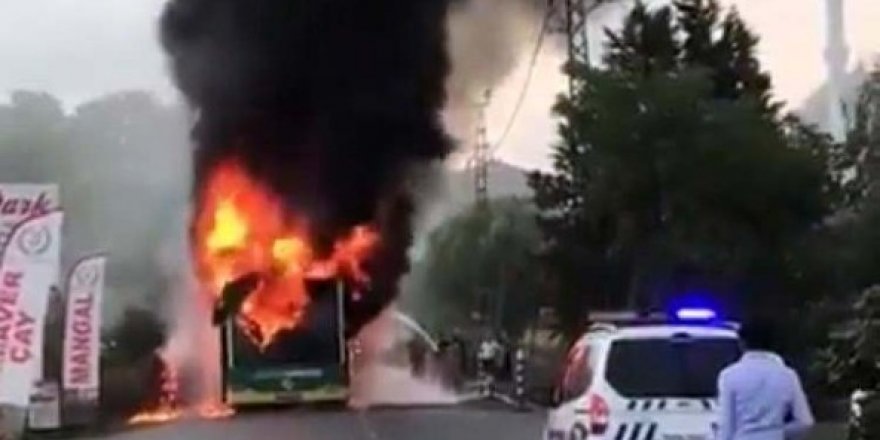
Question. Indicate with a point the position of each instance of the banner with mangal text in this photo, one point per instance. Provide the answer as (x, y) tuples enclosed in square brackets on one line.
[(82, 333), (28, 269)]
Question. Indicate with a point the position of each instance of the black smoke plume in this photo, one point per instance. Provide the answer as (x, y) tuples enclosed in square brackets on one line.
[(334, 104)]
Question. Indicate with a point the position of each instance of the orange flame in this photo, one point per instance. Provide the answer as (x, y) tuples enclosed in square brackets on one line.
[(241, 227), (155, 417), (211, 410), (168, 408)]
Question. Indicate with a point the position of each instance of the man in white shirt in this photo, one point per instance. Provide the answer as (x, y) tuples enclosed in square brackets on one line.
[(486, 356), (760, 397), (487, 353)]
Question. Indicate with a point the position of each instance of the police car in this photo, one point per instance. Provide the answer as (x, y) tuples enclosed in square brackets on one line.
[(636, 378)]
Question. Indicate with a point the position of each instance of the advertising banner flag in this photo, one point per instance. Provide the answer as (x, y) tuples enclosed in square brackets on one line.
[(82, 333), (28, 269), (21, 201)]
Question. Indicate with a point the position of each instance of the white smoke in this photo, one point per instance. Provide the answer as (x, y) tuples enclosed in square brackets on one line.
[(193, 345), (382, 375), (487, 38), (193, 349)]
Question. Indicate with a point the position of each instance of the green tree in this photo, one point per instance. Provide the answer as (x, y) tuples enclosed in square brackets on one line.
[(693, 34), (851, 360), (122, 165), (127, 189), (855, 230), (32, 138), (674, 174), (863, 140), (481, 262)]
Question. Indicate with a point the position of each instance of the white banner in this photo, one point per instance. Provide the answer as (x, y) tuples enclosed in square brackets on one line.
[(82, 333), (20, 201), (28, 270)]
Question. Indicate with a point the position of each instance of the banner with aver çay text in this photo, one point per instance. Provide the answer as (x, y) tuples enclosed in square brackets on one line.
[(82, 333), (28, 269), (19, 202)]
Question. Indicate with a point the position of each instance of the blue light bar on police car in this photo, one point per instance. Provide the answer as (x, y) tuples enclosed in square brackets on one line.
[(695, 314)]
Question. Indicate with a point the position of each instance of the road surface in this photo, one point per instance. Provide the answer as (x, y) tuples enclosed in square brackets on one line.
[(470, 422)]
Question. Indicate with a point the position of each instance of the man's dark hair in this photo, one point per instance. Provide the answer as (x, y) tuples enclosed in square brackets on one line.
[(758, 333)]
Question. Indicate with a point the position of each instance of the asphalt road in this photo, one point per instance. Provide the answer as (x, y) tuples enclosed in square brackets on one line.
[(468, 422)]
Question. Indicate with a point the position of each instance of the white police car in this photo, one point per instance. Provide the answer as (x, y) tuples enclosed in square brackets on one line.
[(631, 378)]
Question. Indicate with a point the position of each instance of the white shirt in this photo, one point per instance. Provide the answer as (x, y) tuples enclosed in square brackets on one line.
[(761, 399), (488, 349)]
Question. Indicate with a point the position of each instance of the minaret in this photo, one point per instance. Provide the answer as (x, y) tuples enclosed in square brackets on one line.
[(836, 57)]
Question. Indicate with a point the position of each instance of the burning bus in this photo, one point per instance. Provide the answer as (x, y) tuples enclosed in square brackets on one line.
[(306, 177), (316, 361), (285, 312), (279, 305), (307, 363)]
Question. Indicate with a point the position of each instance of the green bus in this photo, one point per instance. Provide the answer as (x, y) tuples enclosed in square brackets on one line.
[(306, 364)]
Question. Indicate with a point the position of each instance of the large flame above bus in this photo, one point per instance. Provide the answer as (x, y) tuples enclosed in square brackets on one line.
[(242, 228)]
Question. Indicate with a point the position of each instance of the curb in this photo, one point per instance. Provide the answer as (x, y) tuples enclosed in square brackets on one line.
[(511, 401), (503, 398)]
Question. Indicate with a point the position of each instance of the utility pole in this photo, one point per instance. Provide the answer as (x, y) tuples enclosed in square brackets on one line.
[(480, 160), (482, 157), (570, 19)]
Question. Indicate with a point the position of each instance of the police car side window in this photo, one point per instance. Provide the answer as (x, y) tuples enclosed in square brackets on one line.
[(578, 374)]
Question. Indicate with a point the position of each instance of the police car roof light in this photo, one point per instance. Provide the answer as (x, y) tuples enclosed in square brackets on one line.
[(695, 314)]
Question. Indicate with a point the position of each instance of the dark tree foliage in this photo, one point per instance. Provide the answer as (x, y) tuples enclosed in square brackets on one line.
[(693, 34), (851, 359), (863, 143), (481, 264), (675, 175), (857, 226)]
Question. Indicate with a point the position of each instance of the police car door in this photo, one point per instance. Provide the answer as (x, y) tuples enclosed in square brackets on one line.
[(567, 420)]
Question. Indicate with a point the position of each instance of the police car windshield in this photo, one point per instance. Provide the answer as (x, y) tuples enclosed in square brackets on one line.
[(681, 367)]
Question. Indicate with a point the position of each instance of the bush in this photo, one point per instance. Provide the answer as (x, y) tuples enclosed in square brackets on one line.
[(865, 422), (851, 362), (127, 389), (871, 418)]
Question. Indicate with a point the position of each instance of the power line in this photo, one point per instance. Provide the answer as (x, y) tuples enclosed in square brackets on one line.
[(526, 83)]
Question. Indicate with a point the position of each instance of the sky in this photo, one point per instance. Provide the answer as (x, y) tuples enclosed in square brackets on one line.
[(81, 49)]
